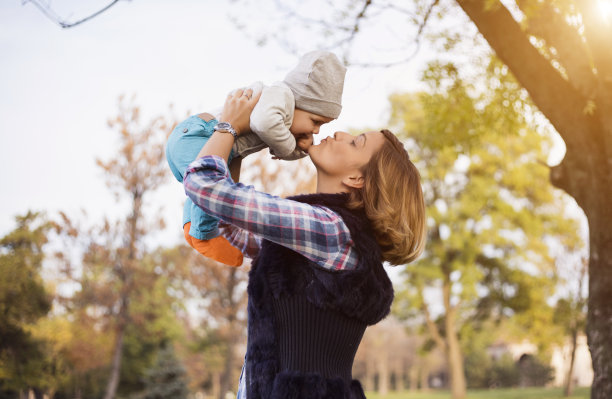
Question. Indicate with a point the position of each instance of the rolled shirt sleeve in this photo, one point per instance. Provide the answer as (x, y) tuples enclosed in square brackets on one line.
[(316, 232)]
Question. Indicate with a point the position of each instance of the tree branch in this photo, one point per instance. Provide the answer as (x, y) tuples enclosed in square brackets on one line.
[(534, 72), (417, 42), (431, 326), (290, 13), (354, 29), (572, 51), (391, 6), (49, 13)]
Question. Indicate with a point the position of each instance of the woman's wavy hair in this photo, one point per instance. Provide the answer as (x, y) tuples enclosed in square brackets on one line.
[(393, 202)]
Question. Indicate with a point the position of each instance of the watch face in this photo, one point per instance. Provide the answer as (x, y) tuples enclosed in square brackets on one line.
[(223, 125)]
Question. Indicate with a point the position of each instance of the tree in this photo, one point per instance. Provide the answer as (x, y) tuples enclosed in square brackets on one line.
[(223, 290), (121, 290), (570, 313), (137, 170), (23, 301), (386, 356), (167, 378), (560, 52), (489, 210), (568, 75)]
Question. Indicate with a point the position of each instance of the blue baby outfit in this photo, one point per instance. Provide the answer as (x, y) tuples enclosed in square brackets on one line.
[(183, 147)]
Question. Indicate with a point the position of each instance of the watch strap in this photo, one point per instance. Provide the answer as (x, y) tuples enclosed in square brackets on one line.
[(225, 127)]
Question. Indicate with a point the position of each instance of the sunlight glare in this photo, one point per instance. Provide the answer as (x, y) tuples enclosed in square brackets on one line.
[(605, 9)]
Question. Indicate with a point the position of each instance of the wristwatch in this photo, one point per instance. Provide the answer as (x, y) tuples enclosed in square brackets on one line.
[(225, 127)]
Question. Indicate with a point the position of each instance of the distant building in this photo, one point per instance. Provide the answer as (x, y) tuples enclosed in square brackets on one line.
[(583, 368), (516, 350), (560, 360)]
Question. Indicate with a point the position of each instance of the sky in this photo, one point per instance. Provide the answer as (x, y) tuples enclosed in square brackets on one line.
[(58, 87)]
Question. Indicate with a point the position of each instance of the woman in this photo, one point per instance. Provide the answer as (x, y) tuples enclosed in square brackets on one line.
[(318, 280)]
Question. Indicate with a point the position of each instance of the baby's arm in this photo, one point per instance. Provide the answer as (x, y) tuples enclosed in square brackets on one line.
[(272, 116)]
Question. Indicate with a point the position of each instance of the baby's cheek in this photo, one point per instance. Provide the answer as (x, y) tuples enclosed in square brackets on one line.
[(304, 143)]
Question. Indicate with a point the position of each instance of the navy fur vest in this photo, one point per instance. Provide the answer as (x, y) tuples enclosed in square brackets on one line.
[(353, 298)]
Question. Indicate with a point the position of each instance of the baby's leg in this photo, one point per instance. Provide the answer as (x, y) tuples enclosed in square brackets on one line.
[(206, 240), (186, 141), (200, 229), (217, 248)]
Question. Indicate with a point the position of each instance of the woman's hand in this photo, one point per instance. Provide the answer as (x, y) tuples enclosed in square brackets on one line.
[(237, 109), (237, 112)]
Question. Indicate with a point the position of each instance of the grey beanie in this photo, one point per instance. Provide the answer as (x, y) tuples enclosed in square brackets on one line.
[(317, 82)]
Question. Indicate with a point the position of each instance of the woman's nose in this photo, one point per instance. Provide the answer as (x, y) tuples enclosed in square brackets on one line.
[(340, 135)]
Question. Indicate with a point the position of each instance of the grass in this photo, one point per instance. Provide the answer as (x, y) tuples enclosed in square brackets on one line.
[(513, 393)]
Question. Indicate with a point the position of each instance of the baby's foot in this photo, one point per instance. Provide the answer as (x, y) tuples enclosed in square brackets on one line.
[(217, 248)]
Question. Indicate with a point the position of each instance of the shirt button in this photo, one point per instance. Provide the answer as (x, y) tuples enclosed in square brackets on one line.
[(185, 130)]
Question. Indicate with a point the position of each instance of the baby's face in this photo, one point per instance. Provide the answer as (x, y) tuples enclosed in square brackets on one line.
[(304, 125)]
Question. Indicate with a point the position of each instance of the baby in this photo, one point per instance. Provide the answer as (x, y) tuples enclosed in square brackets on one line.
[(285, 118)]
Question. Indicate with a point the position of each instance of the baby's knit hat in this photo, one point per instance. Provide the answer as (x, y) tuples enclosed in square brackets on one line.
[(317, 82)]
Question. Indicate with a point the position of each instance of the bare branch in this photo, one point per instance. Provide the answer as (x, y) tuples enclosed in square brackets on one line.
[(417, 42), (49, 13), (354, 29), (390, 6), (426, 18), (358, 19), (289, 12)]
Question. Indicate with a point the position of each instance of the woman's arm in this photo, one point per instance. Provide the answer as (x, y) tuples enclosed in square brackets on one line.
[(316, 232)]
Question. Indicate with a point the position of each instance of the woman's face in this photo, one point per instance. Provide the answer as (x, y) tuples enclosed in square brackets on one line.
[(344, 154)]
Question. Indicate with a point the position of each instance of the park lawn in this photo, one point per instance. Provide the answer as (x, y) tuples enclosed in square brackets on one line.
[(513, 393)]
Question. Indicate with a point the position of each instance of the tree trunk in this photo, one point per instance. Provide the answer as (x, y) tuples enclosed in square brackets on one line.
[(569, 382), (453, 349), (226, 380), (216, 384), (370, 383), (455, 358), (113, 381), (424, 377), (599, 318), (414, 378), (383, 375), (232, 306)]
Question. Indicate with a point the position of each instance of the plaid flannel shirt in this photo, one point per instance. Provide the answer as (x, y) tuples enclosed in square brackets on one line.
[(316, 232)]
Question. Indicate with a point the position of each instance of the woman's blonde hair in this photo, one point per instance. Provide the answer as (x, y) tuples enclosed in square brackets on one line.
[(393, 202)]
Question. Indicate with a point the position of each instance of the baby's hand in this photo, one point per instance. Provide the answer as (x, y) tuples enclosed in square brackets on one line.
[(303, 141)]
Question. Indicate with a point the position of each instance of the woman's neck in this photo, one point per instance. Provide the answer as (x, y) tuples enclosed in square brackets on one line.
[(327, 185)]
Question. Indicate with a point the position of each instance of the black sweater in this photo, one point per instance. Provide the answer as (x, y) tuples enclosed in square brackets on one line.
[(306, 322)]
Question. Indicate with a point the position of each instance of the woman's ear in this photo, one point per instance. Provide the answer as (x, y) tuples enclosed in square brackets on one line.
[(354, 181)]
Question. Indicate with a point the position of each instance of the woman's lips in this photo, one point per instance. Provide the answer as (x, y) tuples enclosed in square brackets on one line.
[(324, 140)]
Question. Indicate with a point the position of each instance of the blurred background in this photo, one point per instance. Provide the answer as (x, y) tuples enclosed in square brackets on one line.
[(101, 298)]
